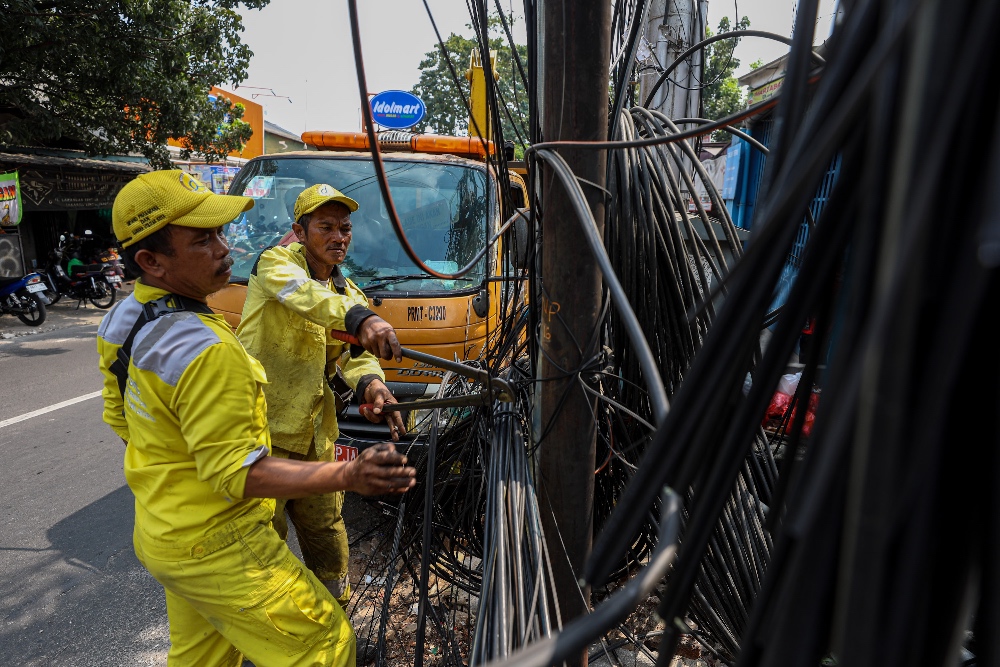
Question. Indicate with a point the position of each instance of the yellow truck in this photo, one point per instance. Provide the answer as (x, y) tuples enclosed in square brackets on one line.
[(448, 198)]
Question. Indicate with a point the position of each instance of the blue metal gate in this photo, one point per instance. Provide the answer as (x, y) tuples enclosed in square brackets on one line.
[(742, 196)]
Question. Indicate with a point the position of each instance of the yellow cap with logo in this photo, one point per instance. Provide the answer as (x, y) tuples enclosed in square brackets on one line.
[(170, 197), (312, 198)]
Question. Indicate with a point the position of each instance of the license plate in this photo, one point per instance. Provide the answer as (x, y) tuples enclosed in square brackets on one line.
[(345, 453), (36, 287), (115, 279)]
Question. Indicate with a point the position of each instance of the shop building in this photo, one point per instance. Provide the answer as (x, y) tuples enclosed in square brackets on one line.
[(62, 192)]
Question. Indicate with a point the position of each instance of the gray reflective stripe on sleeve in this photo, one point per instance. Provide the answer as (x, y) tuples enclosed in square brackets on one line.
[(254, 456), (290, 287), (169, 346), (116, 325)]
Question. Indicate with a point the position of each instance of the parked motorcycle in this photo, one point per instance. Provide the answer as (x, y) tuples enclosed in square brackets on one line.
[(97, 283), (110, 256), (21, 297)]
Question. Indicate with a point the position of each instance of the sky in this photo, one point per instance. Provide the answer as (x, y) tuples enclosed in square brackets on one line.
[(773, 16), (303, 73)]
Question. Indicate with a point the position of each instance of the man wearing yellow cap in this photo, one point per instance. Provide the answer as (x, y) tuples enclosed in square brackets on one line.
[(189, 401), (295, 296)]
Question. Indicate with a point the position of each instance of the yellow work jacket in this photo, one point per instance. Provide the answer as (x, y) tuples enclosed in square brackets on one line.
[(194, 417), (286, 323)]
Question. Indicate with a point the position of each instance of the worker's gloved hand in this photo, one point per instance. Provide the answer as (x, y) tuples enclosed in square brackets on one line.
[(378, 337), (378, 395), (380, 469)]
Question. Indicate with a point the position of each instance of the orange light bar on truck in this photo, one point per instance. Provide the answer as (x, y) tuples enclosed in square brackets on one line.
[(436, 143), (418, 143), (345, 141)]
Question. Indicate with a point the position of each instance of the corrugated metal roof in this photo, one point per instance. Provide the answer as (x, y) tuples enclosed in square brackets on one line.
[(273, 128), (32, 159)]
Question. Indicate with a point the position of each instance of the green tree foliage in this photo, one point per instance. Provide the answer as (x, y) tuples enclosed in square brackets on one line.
[(122, 76), (446, 111), (721, 94)]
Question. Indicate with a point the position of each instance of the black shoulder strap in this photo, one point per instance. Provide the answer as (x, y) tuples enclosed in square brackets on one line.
[(339, 280), (151, 310), (253, 271)]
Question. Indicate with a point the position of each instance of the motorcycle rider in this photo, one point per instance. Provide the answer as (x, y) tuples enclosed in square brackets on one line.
[(73, 263)]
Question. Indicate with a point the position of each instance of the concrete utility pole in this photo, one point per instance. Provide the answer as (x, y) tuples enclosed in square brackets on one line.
[(672, 27), (576, 57)]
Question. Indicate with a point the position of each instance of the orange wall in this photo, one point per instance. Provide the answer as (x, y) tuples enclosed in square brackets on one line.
[(253, 114)]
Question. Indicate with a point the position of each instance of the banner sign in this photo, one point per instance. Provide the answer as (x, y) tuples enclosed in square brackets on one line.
[(65, 189), (10, 199), (766, 91), (397, 109)]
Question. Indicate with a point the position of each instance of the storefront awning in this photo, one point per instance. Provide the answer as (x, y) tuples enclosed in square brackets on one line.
[(63, 181), (36, 160)]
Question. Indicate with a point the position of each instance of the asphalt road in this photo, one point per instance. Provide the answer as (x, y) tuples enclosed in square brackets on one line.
[(71, 589)]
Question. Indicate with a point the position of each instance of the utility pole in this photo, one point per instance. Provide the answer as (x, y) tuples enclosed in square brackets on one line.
[(671, 28), (576, 54)]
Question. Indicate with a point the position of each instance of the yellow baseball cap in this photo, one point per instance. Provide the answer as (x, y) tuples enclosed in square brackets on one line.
[(312, 198), (170, 197)]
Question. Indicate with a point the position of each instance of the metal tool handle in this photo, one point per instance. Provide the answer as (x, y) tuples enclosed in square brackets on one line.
[(344, 336), (461, 369), (462, 401), (498, 385)]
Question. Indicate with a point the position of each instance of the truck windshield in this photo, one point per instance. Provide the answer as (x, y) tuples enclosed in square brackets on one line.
[(444, 209)]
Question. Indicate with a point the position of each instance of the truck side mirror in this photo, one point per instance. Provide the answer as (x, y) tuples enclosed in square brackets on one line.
[(481, 303), (521, 234)]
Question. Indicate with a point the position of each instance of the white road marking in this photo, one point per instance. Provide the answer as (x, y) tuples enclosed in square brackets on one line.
[(50, 408)]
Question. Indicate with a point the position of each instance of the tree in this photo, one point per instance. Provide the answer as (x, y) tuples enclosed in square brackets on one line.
[(123, 76), (721, 94), (446, 111)]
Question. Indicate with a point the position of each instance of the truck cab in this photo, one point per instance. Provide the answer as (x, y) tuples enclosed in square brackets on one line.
[(448, 201)]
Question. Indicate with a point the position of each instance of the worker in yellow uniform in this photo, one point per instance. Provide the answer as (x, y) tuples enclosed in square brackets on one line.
[(189, 401), (295, 296)]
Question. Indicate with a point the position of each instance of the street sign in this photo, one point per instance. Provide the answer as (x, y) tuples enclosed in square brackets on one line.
[(397, 109)]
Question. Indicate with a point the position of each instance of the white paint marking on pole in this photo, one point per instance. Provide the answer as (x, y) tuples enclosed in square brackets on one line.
[(51, 408)]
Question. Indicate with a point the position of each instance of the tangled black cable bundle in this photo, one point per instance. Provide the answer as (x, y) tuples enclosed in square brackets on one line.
[(874, 557), (483, 469)]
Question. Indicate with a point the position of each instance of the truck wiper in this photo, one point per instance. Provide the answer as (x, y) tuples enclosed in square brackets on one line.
[(391, 280)]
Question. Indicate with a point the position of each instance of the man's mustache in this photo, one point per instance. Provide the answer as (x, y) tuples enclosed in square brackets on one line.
[(227, 262)]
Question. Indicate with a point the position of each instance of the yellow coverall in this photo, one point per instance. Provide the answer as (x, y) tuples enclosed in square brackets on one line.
[(285, 324), (194, 416)]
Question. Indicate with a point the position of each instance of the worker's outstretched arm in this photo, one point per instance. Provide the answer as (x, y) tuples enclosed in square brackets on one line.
[(281, 278), (377, 470)]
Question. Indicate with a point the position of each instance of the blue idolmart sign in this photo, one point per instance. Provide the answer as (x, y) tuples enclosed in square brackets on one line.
[(397, 109)]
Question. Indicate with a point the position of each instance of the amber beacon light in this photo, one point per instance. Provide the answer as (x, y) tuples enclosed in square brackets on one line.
[(396, 141)]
